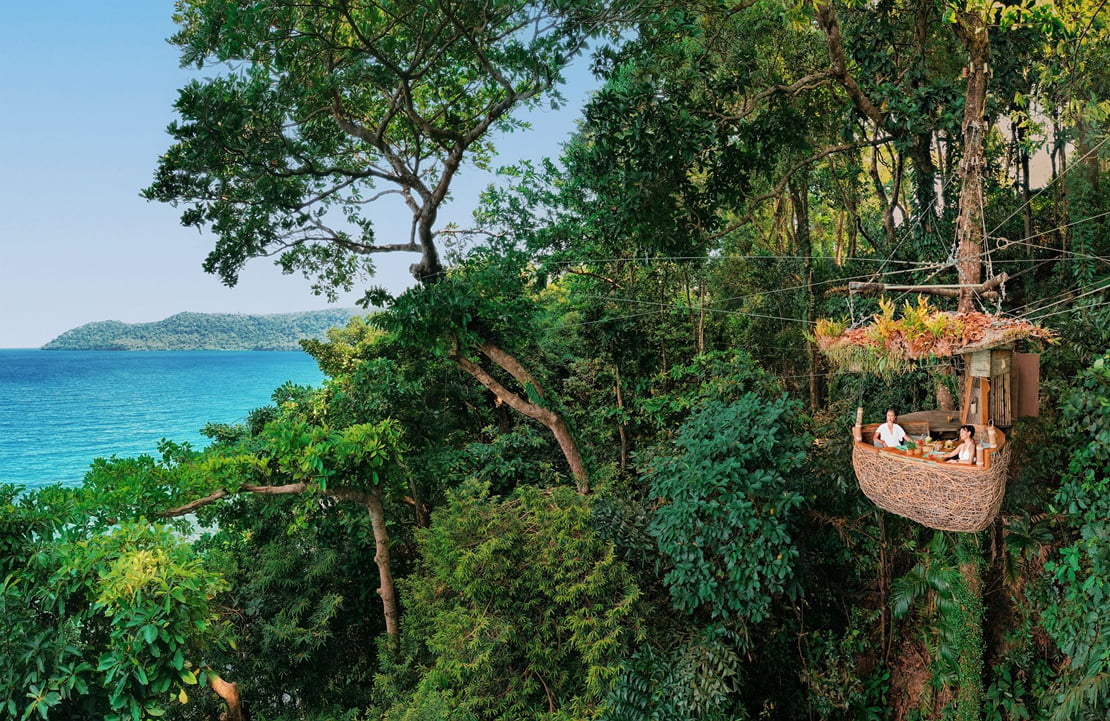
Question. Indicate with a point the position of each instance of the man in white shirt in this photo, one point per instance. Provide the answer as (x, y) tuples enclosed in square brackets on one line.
[(890, 434)]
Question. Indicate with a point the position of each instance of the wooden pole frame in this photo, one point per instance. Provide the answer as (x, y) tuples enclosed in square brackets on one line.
[(986, 290)]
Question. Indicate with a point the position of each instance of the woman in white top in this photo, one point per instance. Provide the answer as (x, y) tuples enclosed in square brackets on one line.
[(965, 452), (889, 434)]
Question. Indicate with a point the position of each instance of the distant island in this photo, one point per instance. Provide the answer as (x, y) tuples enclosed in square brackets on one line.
[(205, 331)]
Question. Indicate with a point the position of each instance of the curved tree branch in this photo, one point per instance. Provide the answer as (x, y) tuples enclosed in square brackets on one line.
[(830, 24), (338, 493), (550, 419), (370, 499)]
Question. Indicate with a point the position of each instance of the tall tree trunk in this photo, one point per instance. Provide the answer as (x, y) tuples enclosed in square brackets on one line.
[(1086, 148), (1026, 196), (969, 696), (803, 243), (945, 401), (663, 323), (697, 316), (884, 581), (848, 219), (420, 514), (921, 149), (924, 182), (1065, 204), (1059, 160), (701, 316), (386, 589), (371, 499), (620, 424), (887, 204), (972, 29)]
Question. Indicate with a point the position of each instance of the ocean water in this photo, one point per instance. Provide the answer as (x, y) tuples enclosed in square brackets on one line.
[(61, 409)]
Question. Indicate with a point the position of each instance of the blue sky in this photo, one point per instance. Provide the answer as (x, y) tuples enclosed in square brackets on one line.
[(85, 96)]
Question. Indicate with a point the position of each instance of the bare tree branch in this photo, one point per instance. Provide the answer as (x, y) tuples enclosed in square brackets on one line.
[(830, 24), (612, 282), (340, 493), (750, 105)]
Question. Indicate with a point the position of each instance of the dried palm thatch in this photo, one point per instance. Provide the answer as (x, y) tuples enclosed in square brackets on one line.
[(890, 346), (944, 496)]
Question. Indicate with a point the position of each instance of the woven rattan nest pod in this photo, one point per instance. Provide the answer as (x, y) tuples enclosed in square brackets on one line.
[(944, 496)]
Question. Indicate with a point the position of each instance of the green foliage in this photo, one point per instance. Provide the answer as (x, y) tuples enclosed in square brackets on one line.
[(641, 155), (673, 395), (950, 616), (486, 296), (115, 625), (296, 564), (343, 347), (968, 596), (301, 593), (506, 460), (1074, 601), (834, 674), (292, 448), (520, 609), (437, 408), (1004, 699), (724, 525), (698, 679), (156, 597)]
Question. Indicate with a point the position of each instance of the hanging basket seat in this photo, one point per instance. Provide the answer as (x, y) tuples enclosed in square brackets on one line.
[(944, 496)]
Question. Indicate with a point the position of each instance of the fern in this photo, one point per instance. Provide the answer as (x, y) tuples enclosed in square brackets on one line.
[(1085, 699), (907, 590)]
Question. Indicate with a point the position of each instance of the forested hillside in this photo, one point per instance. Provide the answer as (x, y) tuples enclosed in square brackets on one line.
[(593, 465), (204, 331)]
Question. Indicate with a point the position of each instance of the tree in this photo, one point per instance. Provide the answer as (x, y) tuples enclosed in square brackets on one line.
[(518, 609), (474, 312), (113, 623), (711, 523), (345, 464), (323, 108), (294, 454), (727, 485)]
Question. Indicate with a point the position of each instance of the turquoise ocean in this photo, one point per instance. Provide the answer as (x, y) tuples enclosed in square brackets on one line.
[(61, 409)]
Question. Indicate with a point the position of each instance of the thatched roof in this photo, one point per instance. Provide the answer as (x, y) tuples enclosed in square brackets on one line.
[(891, 345)]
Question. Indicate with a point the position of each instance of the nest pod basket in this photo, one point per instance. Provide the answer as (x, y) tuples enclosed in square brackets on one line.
[(944, 496)]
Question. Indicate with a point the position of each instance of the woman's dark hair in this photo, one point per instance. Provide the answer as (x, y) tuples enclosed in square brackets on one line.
[(970, 430), (891, 410)]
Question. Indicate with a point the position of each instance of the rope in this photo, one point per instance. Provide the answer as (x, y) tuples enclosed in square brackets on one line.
[(1086, 308), (714, 256), (1025, 241), (1049, 185), (917, 221), (1033, 313)]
